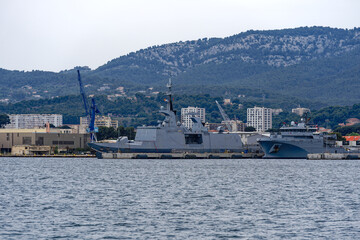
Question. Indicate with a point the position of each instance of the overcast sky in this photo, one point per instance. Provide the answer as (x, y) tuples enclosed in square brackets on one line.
[(60, 34)]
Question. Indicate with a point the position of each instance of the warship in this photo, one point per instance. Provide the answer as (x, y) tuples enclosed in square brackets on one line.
[(297, 141), (170, 136)]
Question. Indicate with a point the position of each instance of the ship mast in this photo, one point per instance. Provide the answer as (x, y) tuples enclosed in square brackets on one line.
[(170, 103)]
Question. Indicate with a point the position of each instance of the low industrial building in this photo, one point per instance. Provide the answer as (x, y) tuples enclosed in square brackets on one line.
[(40, 137), (351, 142), (31, 150)]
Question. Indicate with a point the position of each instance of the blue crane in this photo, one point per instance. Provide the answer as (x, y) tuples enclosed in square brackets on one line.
[(90, 113), (82, 92)]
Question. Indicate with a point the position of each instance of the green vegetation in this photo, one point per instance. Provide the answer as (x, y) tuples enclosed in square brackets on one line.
[(339, 137), (111, 133), (250, 129), (4, 119), (143, 110), (349, 130), (353, 134)]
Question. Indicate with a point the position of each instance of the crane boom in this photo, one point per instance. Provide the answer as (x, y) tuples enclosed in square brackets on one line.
[(224, 116), (82, 92), (90, 113)]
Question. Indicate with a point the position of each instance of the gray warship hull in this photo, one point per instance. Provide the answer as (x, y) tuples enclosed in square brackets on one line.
[(292, 149), (164, 141), (170, 136), (297, 141)]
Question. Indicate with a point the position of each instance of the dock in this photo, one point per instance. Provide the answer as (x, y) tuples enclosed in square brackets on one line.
[(184, 155), (49, 156), (333, 156)]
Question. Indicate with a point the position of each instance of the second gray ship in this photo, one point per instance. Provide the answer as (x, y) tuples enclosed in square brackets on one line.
[(170, 136), (297, 141)]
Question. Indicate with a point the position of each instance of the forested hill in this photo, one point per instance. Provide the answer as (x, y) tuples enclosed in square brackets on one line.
[(311, 62), (141, 109)]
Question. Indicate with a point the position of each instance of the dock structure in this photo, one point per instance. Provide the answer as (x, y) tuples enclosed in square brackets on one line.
[(184, 155), (333, 156)]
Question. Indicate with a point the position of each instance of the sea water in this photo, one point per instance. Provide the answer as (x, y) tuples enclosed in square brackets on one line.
[(44, 198)]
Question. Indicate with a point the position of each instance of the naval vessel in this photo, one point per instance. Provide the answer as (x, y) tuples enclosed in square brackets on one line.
[(297, 141), (170, 136)]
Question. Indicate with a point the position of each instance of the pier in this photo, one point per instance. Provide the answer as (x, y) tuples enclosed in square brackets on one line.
[(184, 155), (333, 156)]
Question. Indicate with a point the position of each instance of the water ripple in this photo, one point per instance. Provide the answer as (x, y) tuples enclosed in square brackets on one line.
[(179, 199)]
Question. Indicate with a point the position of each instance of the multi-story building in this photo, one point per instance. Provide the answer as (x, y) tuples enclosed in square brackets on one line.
[(100, 121), (300, 111), (27, 121), (260, 118), (187, 113), (236, 126)]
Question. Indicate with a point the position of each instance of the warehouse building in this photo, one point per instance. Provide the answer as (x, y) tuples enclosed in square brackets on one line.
[(39, 137)]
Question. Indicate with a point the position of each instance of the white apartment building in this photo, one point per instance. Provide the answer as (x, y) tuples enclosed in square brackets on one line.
[(100, 121), (260, 118), (28, 121), (187, 113)]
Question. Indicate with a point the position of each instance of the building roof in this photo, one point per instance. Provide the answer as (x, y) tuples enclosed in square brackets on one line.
[(352, 120), (18, 130), (352, 138)]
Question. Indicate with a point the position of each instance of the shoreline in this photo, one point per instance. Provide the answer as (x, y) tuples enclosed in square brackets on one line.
[(50, 156)]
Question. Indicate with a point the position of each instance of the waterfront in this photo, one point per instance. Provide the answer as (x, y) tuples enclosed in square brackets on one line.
[(44, 198)]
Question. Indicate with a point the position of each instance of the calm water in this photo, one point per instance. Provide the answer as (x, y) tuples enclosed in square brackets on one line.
[(179, 199)]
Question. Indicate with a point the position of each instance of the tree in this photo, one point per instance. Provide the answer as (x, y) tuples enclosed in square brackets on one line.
[(353, 134), (106, 133), (339, 137), (112, 133), (4, 119), (250, 129)]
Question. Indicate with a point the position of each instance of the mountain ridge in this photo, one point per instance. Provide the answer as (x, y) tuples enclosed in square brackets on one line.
[(276, 61)]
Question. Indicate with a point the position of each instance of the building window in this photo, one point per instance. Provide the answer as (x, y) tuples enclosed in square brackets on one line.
[(26, 141), (63, 142), (40, 141)]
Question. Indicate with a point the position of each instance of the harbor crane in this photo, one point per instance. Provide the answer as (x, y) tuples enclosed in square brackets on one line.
[(90, 113), (224, 116)]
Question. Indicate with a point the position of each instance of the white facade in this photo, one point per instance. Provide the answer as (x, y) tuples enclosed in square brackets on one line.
[(187, 113), (100, 121), (300, 111), (26, 121), (260, 118)]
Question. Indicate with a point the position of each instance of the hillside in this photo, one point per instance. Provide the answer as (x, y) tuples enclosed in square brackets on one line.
[(141, 110), (315, 63)]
